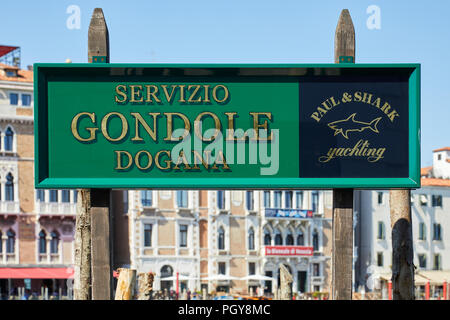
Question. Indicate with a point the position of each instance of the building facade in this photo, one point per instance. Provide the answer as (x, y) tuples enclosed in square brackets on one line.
[(229, 240), (430, 208), (36, 227)]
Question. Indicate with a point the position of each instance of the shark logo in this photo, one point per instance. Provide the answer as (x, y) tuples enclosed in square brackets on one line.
[(350, 124)]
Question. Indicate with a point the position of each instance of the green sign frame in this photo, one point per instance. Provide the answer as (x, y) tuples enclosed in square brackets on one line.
[(49, 174)]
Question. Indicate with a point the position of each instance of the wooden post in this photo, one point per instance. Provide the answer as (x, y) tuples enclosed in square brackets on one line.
[(126, 284), (145, 285), (285, 283), (93, 274), (402, 245), (342, 260), (82, 272)]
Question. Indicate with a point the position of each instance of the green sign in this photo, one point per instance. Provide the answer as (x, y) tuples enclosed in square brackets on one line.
[(227, 126)]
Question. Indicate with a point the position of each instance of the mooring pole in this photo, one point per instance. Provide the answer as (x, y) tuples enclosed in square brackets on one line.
[(93, 274), (342, 256), (402, 245)]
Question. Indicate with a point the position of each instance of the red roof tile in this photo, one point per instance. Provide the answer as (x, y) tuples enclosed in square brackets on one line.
[(442, 149), (435, 182)]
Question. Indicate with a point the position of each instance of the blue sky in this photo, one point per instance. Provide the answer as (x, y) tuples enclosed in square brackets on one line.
[(248, 32)]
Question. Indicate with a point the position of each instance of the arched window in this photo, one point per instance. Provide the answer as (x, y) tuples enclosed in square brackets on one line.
[(289, 239), (267, 238), (300, 238), (221, 240), (278, 238), (9, 135), (9, 188), (54, 243), (251, 239), (10, 242), (315, 240), (42, 242), (166, 271)]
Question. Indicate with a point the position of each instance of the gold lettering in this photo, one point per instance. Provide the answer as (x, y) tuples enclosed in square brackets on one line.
[(137, 93), (74, 127), (140, 120), (138, 161), (121, 93), (187, 126), (152, 93), (119, 158), (105, 126), (197, 124), (214, 93), (264, 125)]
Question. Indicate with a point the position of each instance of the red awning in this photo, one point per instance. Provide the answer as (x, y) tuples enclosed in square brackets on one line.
[(6, 49), (36, 273)]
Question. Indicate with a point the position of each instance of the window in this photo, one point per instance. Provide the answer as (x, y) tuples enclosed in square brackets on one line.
[(439, 156), (53, 195), (14, 99), (75, 195), (422, 261), (221, 199), (10, 241), (437, 232), (54, 242), (251, 239), (147, 235), (423, 200), (42, 242), (249, 198), (289, 239), (380, 261), (300, 238), (277, 199), (278, 238), (183, 235), (267, 199), (222, 268), (40, 195), (26, 99), (182, 198), (436, 201), (65, 195), (422, 231), (146, 198), (381, 231), (251, 268), (316, 270), (221, 239), (267, 238), (9, 136), (315, 200), (380, 197), (299, 199), (437, 262), (288, 199), (9, 188), (315, 240)]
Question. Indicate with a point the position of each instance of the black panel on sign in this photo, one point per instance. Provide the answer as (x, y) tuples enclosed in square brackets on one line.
[(354, 126)]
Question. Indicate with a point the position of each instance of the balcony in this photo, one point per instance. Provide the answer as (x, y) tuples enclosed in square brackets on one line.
[(9, 207), (56, 208), (8, 258), (53, 258), (288, 213)]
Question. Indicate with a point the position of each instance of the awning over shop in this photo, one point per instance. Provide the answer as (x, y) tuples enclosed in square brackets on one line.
[(36, 273), (436, 277)]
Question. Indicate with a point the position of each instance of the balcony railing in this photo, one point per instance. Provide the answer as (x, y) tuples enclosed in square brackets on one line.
[(6, 258), (9, 207), (59, 208), (287, 213)]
